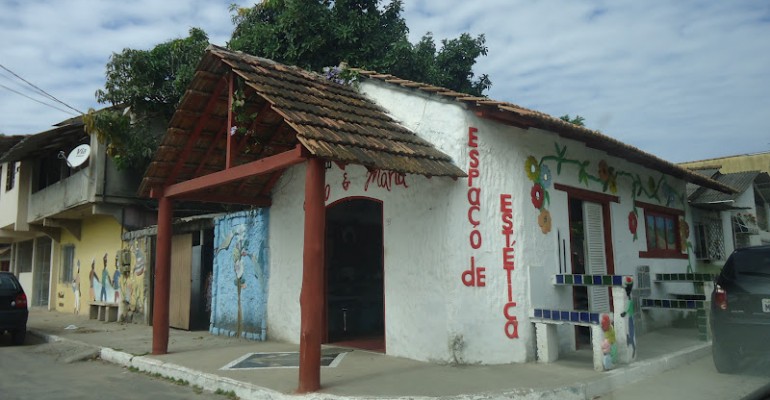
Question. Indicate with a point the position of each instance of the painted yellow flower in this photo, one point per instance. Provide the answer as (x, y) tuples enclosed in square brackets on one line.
[(533, 168), (544, 220), (604, 171)]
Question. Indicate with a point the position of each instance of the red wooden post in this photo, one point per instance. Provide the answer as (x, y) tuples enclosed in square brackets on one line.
[(311, 297), (162, 278)]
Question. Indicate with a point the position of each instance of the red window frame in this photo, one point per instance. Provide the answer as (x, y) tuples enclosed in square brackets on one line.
[(666, 222)]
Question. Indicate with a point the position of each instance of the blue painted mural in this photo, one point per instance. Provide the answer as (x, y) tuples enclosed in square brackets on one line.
[(239, 282)]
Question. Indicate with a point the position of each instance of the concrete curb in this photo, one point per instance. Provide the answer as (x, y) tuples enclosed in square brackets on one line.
[(611, 381)]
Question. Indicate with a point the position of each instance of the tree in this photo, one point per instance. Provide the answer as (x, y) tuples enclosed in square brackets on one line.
[(143, 88), (578, 120), (317, 33)]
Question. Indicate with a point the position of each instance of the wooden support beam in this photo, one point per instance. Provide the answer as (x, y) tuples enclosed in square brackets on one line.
[(160, 307), (229, 148), (261, 166), (311, 295)]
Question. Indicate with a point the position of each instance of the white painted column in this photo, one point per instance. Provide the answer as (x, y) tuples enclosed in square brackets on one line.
[(547, 341)]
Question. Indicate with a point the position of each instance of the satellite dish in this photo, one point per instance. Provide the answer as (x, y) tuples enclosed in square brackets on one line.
[(78, 155)]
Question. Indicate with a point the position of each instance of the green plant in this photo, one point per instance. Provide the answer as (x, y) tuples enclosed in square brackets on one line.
[(229, 394)]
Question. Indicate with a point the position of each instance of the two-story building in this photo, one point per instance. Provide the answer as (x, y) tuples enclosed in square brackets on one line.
[(64, 209)]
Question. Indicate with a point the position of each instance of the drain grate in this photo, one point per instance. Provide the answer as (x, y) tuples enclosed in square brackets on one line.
[(287, 359)]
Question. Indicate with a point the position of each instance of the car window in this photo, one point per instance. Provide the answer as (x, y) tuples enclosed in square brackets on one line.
[(7, 282), (751, 262)]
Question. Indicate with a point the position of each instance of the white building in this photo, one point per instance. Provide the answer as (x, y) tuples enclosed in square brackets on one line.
[(430, 266)]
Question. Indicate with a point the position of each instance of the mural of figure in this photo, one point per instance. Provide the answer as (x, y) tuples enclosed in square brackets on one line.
[(91, 278), (631, 337), (76, 289), (116, 280), (609, 347), (105, 280)]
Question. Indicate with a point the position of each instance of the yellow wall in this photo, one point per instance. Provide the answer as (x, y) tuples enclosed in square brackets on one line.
[(99, 235)]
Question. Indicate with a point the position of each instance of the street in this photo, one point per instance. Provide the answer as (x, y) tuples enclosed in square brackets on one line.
[(700, 380), (39, 370)]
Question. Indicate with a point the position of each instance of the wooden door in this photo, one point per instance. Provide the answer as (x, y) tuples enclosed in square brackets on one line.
[(181, 281)]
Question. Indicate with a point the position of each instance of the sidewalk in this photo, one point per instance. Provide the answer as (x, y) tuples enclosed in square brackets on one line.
[(198, 357)]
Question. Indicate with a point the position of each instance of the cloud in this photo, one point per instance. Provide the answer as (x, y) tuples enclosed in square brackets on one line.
[(682, 80)]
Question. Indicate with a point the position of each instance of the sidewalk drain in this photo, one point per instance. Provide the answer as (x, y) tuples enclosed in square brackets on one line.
[(288, 359)]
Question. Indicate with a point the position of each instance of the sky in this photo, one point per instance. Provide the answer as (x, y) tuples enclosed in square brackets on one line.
[(684, 80)]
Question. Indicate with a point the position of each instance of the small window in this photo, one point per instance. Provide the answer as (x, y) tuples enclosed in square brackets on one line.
[(67, 263), (10, 176), (663, 230)]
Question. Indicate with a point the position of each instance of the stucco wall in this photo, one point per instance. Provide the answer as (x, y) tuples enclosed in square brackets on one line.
[(100, 237), (436, 230), (239, 286)]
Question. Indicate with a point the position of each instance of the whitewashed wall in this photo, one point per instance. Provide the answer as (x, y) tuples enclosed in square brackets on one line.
[(430, 314)]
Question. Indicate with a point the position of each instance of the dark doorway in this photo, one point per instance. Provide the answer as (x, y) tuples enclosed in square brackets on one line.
[(577, 246), (355, 308)]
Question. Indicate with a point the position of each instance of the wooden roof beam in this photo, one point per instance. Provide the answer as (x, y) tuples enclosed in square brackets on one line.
[(258, 201), (197, 131), (261, 166)]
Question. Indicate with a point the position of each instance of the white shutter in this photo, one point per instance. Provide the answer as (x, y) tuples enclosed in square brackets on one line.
[(596, 263)]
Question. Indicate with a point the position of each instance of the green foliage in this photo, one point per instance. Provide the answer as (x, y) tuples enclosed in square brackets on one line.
[(149, 83), (578, 120), (317, 33)]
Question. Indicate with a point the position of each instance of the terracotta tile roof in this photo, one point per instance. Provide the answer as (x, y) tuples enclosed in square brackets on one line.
[(525, 118), (292, 106)]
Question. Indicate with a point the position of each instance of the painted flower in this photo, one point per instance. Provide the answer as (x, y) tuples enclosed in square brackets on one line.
[(538, 195), (633, 222), (604, 171), (613, 184), (544, 220), (533, 168), (545, 176)]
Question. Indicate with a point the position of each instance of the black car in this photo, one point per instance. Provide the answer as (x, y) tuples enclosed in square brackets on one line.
[(13, 308), (740, 308)]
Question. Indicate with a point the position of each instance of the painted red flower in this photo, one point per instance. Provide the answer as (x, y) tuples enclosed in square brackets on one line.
[(537, 196), (633, 222)]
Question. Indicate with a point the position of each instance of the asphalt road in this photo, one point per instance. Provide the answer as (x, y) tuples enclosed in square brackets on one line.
[(62, 371), (699, 380)]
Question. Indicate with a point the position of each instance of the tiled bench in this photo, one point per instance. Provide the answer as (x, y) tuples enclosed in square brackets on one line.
[(546, 320), (697, 302), (102, 311), (590, 280)]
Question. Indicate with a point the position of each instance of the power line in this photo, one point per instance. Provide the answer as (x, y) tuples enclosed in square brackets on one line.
[(50, 96), (45, 104)]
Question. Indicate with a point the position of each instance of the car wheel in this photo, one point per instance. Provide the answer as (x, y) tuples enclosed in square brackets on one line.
[(19, 336), (724, 358)]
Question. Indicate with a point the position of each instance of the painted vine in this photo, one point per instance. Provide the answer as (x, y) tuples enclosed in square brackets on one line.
[(607, 176)]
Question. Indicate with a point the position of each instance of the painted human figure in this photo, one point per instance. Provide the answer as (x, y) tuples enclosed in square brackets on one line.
[(609, 347), (76, 289), (91, 278), (631, 337), (105, 280), (116, 279)]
